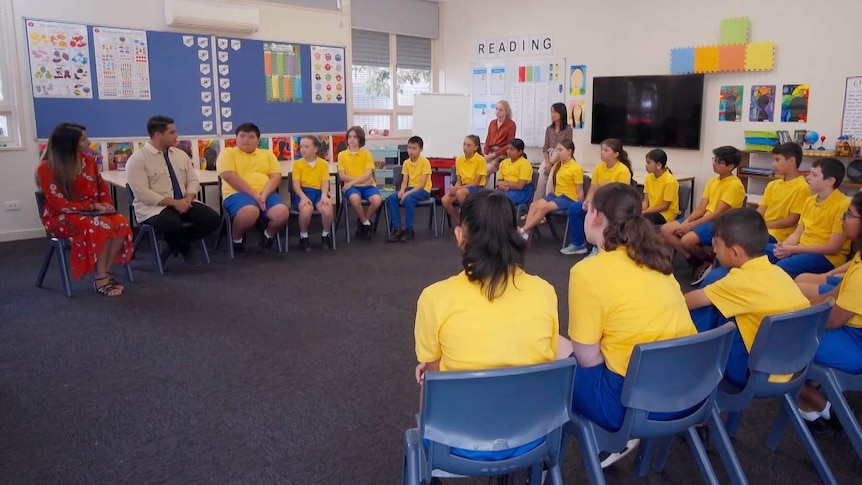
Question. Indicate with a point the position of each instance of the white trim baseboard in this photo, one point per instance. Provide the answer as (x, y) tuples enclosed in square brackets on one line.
[(22, 234)]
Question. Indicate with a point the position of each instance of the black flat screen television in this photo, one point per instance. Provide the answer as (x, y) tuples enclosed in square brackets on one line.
[(649, 111)]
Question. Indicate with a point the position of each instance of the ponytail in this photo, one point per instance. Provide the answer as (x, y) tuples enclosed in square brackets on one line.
[(616, 145), (621, 206), (478, 142)]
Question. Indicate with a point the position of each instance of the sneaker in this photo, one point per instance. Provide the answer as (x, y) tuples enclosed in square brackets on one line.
[(608, 459), (304, 244), (367, 229), (574, 249), (238, 247), (192, 259), (408, 236), (267, 241), (820, 428), (834, 421), (396, 235), (326, 241), (701, 273)]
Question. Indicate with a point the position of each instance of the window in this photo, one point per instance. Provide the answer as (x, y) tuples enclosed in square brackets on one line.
[(382, 101), (9, 134)]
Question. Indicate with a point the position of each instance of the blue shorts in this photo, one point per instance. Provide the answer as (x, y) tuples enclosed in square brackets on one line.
[(518, 197), (365, 192), (239, 200), (841, 349), (831, 283), (562, 201), (704, 233), (312, 194)]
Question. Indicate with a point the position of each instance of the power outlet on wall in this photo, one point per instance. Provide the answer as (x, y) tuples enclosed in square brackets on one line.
[(13, 205)]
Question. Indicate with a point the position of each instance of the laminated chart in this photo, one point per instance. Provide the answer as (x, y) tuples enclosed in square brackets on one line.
[(59, 60), (327, 71), (282, 73), (199, 46), (122, 63), (224, 49)]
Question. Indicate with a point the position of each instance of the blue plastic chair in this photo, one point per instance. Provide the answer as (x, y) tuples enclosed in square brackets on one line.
[(784, 345), (60, 245), (564, 214), (669, 376), (489, 411), (226, 229), (834, 383), (430, 203), (152, 235)]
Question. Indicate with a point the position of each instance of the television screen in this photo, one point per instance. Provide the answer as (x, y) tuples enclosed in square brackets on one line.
[(649, 111)]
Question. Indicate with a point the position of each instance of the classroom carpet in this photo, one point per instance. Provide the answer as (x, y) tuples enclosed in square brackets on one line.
[(289, 368)]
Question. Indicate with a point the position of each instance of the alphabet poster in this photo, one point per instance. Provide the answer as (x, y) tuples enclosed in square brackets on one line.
[(59, 60)]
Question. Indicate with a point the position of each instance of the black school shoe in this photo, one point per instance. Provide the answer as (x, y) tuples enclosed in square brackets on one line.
[(304, 244), (326, 241), (396, 235), (820, 428), (408, 236)]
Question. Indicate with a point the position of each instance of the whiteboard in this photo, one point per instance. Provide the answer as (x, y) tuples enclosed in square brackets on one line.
[(530, 86), (851, 120), (442, 122)]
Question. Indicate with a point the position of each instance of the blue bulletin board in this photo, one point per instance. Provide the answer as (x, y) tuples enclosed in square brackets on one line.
[(209, 85)]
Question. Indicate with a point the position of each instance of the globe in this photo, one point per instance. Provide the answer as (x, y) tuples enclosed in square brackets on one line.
[(812, 137)]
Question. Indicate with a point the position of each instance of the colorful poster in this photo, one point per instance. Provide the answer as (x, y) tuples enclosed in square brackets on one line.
[(59, 60), (327, 69), (762, 103), (794, 103), (577, 80), (186, 146), (122, 63), (730, 103), (294, 147), (281, 147), (118, 154), (208, 151), (95, 151), (339, 143), (282, 69), (325, 147), (577, 113), (230, 142), (264, 143)]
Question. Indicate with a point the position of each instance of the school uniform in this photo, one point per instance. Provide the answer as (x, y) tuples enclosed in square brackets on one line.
[(601, 176), (514, 172), (782, 198), (728, 190), (356, 164), (659, 190), (467, 169), (841, 348), (413, 173), (255, 169), (311, 176)]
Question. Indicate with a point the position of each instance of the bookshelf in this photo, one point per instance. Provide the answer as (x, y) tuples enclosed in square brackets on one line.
[(755, 184)]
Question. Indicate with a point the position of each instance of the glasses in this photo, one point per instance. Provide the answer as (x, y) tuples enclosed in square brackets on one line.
[(850, 215)]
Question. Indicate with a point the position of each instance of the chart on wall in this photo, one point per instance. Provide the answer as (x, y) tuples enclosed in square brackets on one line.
[(59, 60), (327, 71), (122, 63), (530, 87), (851, 119), (282, 74)]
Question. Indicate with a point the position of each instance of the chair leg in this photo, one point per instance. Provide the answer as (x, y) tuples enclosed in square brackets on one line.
[(788, 406), (565, 234), (332, 234), (64, 270), (725, 449), (732, 423), (555, 475), (699, 453), (154, 245), (129, 274), (137, 242), (662, 453), (228, 232), (645, 454), (40, 280), (412, 469), (204, 250), (590, 454), (829, 386), (434, 215)]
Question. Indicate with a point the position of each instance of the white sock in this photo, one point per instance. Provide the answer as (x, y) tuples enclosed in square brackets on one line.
[(266, 233), (324, 233), (809, 416), (366, 223), (303, 235), (825, 414), (237, 241)]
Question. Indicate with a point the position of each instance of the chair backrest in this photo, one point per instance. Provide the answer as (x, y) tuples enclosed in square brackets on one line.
[(684, 197), (786, 343), (131, 197), (397, 177), (587, 182), (40, 202), (495, 409), (453, 176)]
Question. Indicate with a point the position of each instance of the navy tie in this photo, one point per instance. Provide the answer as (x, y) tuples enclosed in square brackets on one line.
[(178, 192)]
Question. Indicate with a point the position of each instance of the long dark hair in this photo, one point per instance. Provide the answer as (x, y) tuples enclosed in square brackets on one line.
[(494, 250), (518, 144), (621, 206), (477, 141), (569, 145), (561, 110), (63, 158), (616, 145), (856, 202)]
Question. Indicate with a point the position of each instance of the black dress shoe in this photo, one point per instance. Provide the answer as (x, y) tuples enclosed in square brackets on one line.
[(326, 241), (304, 244)]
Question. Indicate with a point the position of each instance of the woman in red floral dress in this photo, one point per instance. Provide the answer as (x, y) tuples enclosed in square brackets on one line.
[(75, 195)]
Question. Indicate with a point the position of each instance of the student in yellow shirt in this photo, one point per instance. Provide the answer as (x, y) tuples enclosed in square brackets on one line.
[(311, 191), (841, 344), (722, 193), (661, 189), (415, 187), (606, 318), (470, 174), (251, 178), (356, 172), (818, 244), (516, 174), (785, 197), (615, 166), (568, 182), (746, 288), (493, 314)]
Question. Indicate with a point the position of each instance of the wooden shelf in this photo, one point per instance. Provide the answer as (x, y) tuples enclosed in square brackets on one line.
[(808, 155), (764, 177)]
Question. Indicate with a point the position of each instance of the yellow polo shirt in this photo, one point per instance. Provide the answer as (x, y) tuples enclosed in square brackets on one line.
[(514, 172), (254, 168), (663, 189), (782, 198), (850, 292), (414, 172), (457, 324), (356, 164), (308, 176), (603, 308), (468, 168), (567, 179), (823, 219), (618, 173), (728, 190)]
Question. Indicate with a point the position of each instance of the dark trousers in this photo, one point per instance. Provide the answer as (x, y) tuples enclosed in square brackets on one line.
[(169, 222)]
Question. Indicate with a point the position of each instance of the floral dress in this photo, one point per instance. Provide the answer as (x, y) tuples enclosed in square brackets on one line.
[(88, 234)]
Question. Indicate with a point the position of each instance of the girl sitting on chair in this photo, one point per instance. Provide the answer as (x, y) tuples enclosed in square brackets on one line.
[(568, 183)]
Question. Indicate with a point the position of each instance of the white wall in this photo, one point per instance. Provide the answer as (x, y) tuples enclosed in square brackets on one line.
[(817, 43), (278, 23)]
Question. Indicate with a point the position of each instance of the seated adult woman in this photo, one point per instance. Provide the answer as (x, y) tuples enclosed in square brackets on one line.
[(78, 206), (493, 314), (623, 296), (500, 132)]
